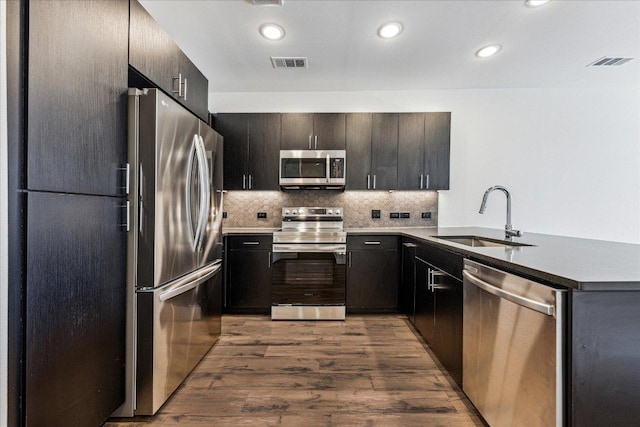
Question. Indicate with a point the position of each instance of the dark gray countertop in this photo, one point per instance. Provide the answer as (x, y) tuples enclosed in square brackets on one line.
[(583, 264)]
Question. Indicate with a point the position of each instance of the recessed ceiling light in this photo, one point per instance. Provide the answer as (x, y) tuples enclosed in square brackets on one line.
[(488, 51), (536, 3), (390, 30), (272, 31)]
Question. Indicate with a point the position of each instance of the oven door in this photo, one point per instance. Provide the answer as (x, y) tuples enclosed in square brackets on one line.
[(308, 281)]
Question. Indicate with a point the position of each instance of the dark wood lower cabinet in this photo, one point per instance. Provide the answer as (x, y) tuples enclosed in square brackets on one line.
[(75, 309), (438, 312), (372, 274), (248, 287)]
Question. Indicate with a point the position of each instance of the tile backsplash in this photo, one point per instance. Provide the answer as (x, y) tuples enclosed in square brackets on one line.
[(242, 207)]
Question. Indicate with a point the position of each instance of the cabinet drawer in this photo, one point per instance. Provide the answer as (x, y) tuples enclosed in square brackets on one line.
[(250, 242), (446, 261), (372, 242)]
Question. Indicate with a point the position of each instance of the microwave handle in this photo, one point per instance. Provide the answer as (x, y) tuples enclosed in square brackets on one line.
[(328, 168)]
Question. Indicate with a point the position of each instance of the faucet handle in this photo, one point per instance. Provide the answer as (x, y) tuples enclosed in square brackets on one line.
[(512, 233)]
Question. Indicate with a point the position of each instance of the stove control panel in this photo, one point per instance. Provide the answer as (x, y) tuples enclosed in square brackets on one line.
[(334, 212)]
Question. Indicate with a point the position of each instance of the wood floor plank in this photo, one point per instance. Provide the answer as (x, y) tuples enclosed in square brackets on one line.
[(365, 371)]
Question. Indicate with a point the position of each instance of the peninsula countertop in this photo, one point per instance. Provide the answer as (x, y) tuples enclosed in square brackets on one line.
[(577, 263)]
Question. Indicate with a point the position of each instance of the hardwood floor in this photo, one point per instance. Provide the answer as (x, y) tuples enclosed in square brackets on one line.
[(365, 371)]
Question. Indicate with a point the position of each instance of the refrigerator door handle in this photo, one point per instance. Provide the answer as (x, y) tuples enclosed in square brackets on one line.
[(193, 153), (190, 283), (205, 192)]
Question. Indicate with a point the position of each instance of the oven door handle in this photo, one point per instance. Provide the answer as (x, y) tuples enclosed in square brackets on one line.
[(309, 247)]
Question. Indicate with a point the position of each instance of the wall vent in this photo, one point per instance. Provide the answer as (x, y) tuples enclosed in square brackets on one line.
[(288, 62), (608, 61), (266, 2)]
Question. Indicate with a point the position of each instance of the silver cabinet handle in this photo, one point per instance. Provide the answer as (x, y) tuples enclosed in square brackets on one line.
[(127, 181), (371, 243), (250, 181), (548, 309), (368, 182), (409, 245), (251, 243), (374, 182), (427, 186), (310, 142), (184, 93), (179, 91), (269, 259), (349, 259), (316, 142), (244, 182), (421, 180), (127, 209)]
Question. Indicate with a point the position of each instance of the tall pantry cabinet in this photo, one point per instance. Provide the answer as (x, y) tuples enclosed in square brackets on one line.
[(67, 63)]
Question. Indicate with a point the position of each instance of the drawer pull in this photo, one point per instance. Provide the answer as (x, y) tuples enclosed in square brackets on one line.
[(251, 243), (308, 295), (371, 243)]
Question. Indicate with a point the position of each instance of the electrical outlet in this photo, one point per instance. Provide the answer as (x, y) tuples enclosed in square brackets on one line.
[(375, 213), (262, 215), (394, 215), (224, 214), (426, 215), (405, 215)]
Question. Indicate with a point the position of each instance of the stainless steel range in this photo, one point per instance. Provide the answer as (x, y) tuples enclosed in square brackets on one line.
[(309, 265)]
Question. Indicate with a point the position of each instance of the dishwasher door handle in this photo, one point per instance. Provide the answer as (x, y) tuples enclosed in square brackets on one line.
[(548, 309)]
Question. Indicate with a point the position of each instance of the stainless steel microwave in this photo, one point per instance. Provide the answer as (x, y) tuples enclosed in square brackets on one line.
[(309, 169)]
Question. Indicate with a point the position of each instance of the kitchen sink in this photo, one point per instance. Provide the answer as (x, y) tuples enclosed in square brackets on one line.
[(478, 241)]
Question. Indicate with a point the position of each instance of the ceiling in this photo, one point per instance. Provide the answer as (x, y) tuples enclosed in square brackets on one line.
[(549, 46)]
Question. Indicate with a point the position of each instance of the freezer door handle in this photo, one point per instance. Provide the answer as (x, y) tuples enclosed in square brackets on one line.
[(548, 309), (189, 282)]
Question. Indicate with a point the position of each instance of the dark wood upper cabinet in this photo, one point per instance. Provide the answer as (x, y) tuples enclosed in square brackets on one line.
[(313, 131), (384, 151), (251, 150), (76, 96), (372, 151), (423, 151), (437, 134), (264, 133), (358, 163), (235, 131), (157, 57)]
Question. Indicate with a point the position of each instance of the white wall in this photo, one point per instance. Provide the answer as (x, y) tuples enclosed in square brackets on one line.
[(570, 157)]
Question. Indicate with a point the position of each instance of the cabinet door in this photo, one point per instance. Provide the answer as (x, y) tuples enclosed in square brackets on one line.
[(249, 280), (330, 131), (75, 309), (408, 281), (384, 151), (358, 142), (372, 281), (234, 130), (411, 151), (297, 131), (195, 87), (447, 344), (424, 315), (264, 153), (77, 89), (437, 128)]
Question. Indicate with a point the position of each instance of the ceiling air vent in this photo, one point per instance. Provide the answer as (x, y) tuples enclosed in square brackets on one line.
[(266, 2), (288, 62), (606, 61)]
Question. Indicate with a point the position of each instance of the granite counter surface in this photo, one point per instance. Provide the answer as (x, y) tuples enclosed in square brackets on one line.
[(582, 264)]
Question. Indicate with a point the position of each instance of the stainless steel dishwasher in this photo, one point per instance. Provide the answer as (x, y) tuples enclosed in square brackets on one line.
[(513, 352)]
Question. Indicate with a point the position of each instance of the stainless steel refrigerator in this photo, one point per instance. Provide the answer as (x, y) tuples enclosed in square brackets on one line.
[(174, 247)]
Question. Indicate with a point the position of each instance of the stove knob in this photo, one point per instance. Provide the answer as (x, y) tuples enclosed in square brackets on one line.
[(330, 212), (337, 212), (287, 211), (294, 212), (301, 211)]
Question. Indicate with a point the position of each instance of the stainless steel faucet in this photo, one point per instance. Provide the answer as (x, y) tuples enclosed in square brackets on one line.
[(508, 229)]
